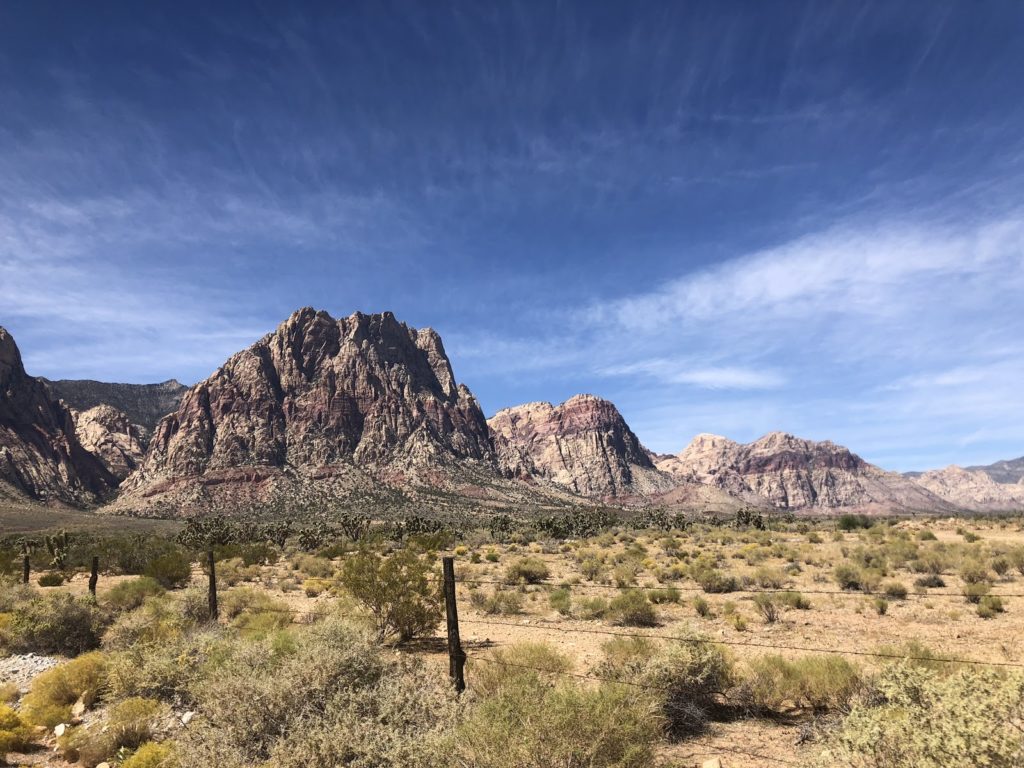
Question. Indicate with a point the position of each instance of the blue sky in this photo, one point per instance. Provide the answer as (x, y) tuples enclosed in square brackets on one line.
[(728, 217)]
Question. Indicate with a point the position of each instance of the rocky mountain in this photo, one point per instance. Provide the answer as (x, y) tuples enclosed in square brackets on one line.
[(40, 454), (109, 434), (143, 404), (319, 399), (973, 488), (583, 445), (787, 472), (1009, 471)]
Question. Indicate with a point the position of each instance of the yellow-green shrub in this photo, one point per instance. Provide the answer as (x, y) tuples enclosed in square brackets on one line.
[(152, 755), (49, 700), (817, 683), (131, 593), (15, 735)]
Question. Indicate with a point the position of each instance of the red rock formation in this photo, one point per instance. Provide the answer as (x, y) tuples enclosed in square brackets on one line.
[(109, 435), (583, 444), (364, 391), (40, 456)]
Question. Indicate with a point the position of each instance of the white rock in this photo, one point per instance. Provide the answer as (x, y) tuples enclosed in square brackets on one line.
[(712, 763), (58, 730), (187, 718)]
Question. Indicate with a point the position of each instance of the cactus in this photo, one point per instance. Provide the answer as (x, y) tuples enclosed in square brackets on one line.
[(59, 547)]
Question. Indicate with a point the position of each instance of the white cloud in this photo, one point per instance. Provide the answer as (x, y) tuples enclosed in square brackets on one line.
[(687, 372)]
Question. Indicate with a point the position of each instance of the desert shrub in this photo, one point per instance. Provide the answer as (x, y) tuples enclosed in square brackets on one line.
[(128, 724), (397, 590), (738, 622), (712, 580), (131, 593), (702, 607), (974, 591), (852, 522), (767, 607), (171, 570), (329, 697), (51, 579), (793, 600), (530, 570), (847, 576), (881, 605), (234, 571), (165, 670), (973, 572), (817, 683), (632, 609), (624, 574), (569, 724), (158, 620), (498, 603), (895, 589), (152, 755), (491, 556), (916, 653), (989, 606), (925, 535), (15, 734), (534, 662), (768, 578), (49, 700), (313, 566), (592, 608), (1001, 565), (56, 623), (315, 587), (561, 601), (86, 745), (912, 716), (931, 581), (251, 609), (662, 596)]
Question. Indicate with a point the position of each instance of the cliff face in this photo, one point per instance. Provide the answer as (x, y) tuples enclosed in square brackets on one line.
[(973, 489), (40, 455), (364, 391), (143, 404), (583, 445), (791, 473), (109, 435)]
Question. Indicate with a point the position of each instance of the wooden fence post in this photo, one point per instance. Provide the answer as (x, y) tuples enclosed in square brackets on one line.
[(94, 576), (456, 656), (26, 569), (213, 587)]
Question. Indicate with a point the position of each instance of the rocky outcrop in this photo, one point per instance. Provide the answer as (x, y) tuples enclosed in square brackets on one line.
[(1008, 472), (110, 436), (143, 404), (583, 445), (972, 489), (40, 455), (315, 398), (787, 472)]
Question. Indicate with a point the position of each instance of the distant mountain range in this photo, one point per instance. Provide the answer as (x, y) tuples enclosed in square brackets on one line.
[(365, 408)]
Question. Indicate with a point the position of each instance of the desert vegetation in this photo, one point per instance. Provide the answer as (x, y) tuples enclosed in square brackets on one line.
[(592, 640)]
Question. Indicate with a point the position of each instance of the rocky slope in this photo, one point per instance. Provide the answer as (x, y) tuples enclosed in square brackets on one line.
[(973, 489), (583, 445), (787, 472), (109, 434), (40, 454), (318, 399), (1006, 472), (143, 404)]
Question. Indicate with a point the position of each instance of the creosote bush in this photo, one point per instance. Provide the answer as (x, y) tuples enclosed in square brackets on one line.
[(399, 591), (55, 623), (816, 683), (632, 609), (131, 593), (49, 700), (171, 570), (530, 570)]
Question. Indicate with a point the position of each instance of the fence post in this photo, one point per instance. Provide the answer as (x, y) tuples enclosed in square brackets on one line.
[(213, 586), (94, 576), (456, 656), (26, 569)]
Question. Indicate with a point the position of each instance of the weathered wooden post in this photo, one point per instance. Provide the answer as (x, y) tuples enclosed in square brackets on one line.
[(456, 656), (213, 587), (94, 576), (26, 568)]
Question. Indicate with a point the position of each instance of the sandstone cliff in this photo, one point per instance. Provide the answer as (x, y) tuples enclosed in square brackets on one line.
[(110, 436), (583, 445), (787, 472), (972, 489), (320, 398), (143, 404), (40, 455)]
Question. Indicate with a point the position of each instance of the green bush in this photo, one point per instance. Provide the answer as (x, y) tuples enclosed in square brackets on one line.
[(131, 593), (702, 607), (913, 716), (152, 755), (15, 734), (931, 581), (530, 570), (561, 601), (881, 606), (569, 724), (498, 603), (632, 609), (847, 576), (398, 591), (853, 522), (713, 581), (667, 595), (172, 570), (51, 579), (56, 623), (989, 606), (767, 607), (817, 683), (49, 700), (974, 591), (592, 608), (794, 601), (330, 696), (895, 589), (158, 620)]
